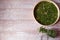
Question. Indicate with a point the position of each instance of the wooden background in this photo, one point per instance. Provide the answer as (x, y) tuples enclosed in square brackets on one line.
[(17, 21)]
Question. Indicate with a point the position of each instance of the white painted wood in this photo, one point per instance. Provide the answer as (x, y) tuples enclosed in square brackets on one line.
[(16, 16)]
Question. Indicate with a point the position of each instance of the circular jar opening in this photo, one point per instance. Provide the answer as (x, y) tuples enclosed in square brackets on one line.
[(46, 12)]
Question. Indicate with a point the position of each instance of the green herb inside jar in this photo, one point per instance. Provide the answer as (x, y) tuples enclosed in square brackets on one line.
[(45, 13)]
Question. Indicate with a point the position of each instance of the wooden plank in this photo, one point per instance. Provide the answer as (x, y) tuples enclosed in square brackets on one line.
[(17, 16)]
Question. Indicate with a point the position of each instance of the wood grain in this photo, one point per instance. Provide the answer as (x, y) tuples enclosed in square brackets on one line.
[(16, 16)]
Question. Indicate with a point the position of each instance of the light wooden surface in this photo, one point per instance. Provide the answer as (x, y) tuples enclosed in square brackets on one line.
[(17, 21)]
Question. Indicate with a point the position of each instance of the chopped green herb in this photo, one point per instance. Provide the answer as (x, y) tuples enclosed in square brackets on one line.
[(51, 33), (43, 30)]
